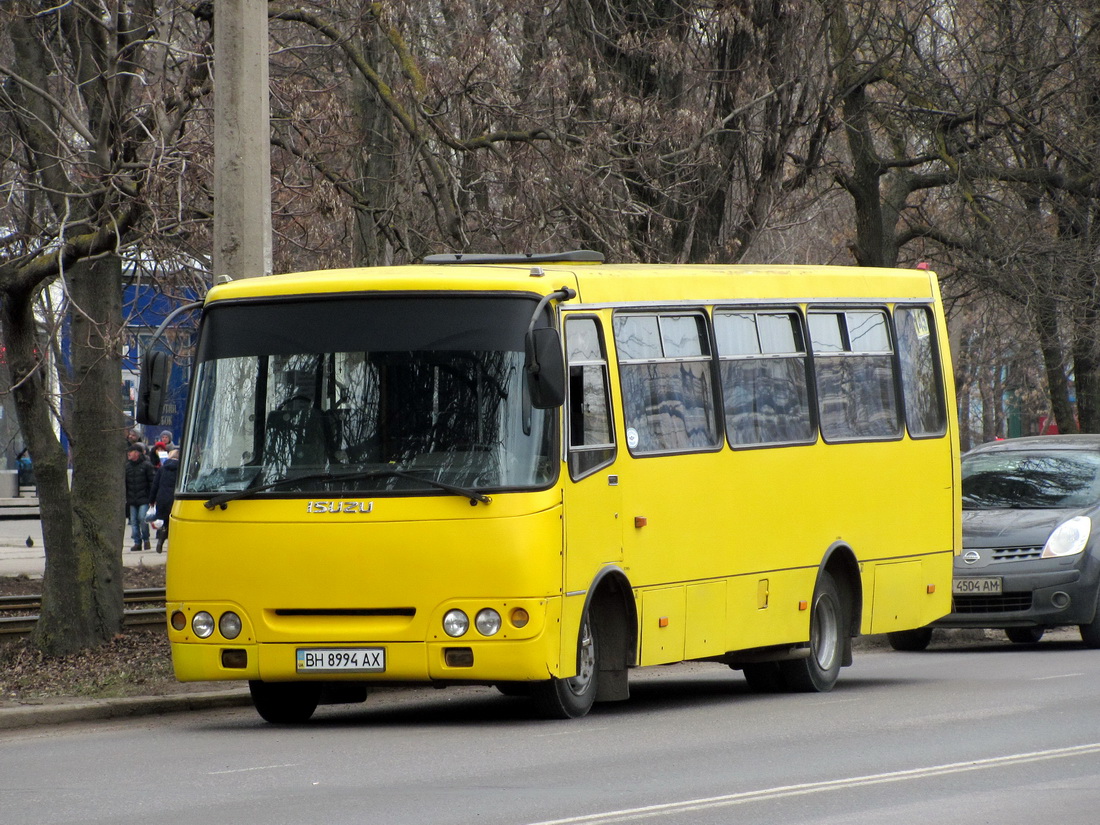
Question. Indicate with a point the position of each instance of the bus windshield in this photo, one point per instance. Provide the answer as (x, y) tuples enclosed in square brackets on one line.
[(366, 394)]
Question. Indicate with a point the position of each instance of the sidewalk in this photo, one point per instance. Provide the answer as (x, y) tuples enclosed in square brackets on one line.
[(17, 558), (62, 711)]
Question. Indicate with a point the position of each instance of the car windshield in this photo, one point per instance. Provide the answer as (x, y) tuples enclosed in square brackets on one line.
[(1030, 480), (365, 395)]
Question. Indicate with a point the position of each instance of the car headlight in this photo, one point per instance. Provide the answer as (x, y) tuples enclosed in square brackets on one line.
[(1069, 538)]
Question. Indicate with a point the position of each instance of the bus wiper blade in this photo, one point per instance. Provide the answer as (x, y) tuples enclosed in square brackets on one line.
[(224, 498)]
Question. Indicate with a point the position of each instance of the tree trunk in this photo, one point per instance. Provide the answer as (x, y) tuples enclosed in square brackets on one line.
[(97, 437), (56, 630), (1054, 362), (1086, 373), (81, 527)]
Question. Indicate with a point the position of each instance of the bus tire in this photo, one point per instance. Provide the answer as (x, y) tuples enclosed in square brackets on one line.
[(818, 672), (1024, 635), (764, 677), (572, 698), (911, 641), (285, 703), (514, 688)]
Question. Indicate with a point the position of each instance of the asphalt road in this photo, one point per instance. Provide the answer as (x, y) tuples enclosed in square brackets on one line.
[(995, 733)]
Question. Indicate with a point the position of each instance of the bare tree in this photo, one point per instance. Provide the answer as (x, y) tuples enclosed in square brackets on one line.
[(970, 136), (649, 130), (94, 98)]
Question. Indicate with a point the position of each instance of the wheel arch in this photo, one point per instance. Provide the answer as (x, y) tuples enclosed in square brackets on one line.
[(841, 563), (611, 605)]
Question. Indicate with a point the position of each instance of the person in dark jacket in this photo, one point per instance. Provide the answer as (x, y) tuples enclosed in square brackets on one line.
[(139, 485), (164, 493)]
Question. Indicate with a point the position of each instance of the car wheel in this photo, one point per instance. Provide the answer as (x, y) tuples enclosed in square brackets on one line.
[(1090, 633), (910, 640), (285, 703), (1024, 635), (572, 698), (818, 672)]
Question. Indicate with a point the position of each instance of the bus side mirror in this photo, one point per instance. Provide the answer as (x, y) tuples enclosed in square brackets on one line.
[(545, 368), (152, 383)]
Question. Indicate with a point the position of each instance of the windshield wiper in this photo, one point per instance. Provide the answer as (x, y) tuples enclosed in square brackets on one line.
[(224, 498)]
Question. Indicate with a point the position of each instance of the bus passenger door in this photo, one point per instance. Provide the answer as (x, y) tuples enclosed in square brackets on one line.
[(592, 500)]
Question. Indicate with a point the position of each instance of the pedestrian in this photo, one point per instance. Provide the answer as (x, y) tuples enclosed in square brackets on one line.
[(166, 440), (164, 493), (139, 485)]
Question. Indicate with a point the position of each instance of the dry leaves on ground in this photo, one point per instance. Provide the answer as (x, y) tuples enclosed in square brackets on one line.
[(134, 663)]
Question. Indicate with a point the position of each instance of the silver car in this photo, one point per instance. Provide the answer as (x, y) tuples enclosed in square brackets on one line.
[(1031, 559)]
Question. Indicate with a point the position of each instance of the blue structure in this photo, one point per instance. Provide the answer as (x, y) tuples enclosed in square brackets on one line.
[(144, 307)]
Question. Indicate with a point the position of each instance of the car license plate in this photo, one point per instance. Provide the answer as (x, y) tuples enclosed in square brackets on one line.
[(977, 585), (342, 660)]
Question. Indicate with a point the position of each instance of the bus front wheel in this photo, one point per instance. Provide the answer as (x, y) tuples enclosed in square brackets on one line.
[(818, 672), (285, 703), (573, 697)]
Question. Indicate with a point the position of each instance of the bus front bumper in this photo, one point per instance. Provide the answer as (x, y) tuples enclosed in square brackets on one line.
[(404, 662)]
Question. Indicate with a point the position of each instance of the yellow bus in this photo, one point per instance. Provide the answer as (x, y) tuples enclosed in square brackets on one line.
[(540, 472)]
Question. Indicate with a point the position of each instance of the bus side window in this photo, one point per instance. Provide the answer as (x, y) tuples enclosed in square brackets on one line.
[(591, 437), (921, 382), (668, 383), (854, 370), (764, 378)]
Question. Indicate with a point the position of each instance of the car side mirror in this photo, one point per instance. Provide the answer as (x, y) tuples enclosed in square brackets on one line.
[(152, 384), (544, 367)]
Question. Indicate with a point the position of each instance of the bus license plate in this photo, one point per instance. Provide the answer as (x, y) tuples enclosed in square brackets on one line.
[(342, 660), (977, 585)]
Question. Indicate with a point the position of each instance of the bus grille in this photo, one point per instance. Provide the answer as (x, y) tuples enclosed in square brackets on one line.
[(347, 611), (1003, 603)]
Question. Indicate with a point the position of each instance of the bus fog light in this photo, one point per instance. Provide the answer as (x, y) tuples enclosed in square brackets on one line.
[(458, 657), (456, 623), (179, 621), (229, 625), (235, 659), (520, 617), (202, 624), (488, 622)]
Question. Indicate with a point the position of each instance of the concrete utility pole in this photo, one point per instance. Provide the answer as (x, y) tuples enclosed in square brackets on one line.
[(242, 140)]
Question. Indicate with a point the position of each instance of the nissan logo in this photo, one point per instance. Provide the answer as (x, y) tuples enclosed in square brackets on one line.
[(971, 556)]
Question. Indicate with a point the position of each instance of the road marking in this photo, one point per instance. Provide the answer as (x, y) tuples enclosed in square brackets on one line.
[(1060, 676), (257, 768), (779, 792)]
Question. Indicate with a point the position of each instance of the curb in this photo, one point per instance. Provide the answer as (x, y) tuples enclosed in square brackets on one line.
[(25, 716)]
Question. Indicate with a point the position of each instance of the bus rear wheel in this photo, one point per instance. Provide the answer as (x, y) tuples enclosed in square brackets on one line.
[(910, 640), (573, 697), (764, 677), (818, 672), (285, 703), (1024, 635)]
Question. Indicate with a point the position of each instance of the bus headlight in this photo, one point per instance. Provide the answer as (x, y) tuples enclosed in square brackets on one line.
[(487, 622), (202, 624), (456, 623), (230, 625)]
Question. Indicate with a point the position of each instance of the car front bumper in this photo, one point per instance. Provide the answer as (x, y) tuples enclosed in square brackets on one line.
[(1028, 598)]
